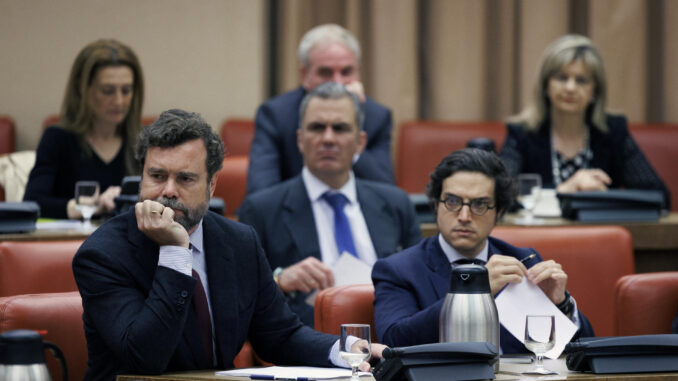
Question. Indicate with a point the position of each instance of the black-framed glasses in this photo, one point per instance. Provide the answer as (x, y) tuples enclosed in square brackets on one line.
[(478, 206)]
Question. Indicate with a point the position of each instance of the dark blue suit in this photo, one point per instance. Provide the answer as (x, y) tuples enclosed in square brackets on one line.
[(138, 316), (283, 217), (275, 156), (410, 287)]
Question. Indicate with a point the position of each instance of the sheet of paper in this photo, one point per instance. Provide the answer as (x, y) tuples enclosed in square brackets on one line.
[(347, 270), (58, 224), (290, 372), (524, 298), (548, 204)]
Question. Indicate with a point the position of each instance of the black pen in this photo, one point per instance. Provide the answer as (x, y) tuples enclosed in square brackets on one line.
[(528, 258)]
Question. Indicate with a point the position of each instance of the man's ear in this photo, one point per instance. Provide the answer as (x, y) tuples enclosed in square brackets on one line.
[(300, 144), (362, 141), (303, 72), (213, 184)]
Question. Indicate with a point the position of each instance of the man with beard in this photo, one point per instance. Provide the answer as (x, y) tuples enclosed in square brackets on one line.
[(171, 286)]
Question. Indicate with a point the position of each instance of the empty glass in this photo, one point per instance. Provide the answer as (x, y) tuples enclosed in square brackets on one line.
[(361, 352), (87, 200), (540, 337), (529, 189)]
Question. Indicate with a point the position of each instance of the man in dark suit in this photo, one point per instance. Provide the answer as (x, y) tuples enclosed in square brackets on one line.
[(469, 191), (326, 53), (296, 220), (171, 286)]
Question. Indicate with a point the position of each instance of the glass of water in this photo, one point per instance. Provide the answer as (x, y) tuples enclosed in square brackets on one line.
[(87, 200), (540, 337), (354, 351), (529, 190)]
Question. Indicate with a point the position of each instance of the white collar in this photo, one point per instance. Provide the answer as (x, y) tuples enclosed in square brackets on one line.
[(453, 255), (316, 187)]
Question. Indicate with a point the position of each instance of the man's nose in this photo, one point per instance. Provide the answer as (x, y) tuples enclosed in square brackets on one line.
[(328, 134), (170, 189), (338, 77), (464, 213)]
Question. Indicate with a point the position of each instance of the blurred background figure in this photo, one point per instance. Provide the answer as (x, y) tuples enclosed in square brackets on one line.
[(99, 121), (565, 133)]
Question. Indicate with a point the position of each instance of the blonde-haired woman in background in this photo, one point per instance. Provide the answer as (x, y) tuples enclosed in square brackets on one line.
[(99, 122), (565, 133)]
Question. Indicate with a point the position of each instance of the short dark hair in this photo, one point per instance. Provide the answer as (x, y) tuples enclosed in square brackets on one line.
[(333, 90), (175, 127), (473, 160)]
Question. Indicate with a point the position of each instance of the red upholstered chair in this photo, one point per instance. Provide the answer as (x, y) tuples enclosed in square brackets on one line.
[(232, 182), (60, 314), (237, 135), (7, 135), (423, 144), (345, 304), (593, 257), (658, 143), (37, 267), (646, 303)]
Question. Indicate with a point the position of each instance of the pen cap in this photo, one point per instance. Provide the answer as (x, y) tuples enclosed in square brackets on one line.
[(469, 279)]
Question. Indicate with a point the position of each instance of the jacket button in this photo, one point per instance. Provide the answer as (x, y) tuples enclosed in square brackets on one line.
[(184, 294)]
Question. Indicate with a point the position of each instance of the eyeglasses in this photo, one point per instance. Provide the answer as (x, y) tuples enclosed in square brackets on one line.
[(478, 206)]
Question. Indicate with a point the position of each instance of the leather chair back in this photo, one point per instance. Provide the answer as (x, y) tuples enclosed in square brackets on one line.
[(423, 144), (232, 183), (646, 303), (7, 135), (37, 266), (60, 314), (593, 257), (345, 304), (237, 135), (658, 143)]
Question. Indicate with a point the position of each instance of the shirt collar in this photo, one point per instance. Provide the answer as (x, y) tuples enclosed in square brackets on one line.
[(196, 238), (316, 188), (453, 255)]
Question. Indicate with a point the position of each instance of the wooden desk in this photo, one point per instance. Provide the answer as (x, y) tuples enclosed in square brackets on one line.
[(655, 244), (506, 372), (50, 234)]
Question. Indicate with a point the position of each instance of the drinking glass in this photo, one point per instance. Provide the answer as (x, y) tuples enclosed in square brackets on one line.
[(362, 333), (87, 200), (529, 189), (540, 337)]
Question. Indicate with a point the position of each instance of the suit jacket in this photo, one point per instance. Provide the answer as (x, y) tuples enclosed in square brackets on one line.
[(138, 317), (275, 156), (283, 217), (410, 287), (615, 152)]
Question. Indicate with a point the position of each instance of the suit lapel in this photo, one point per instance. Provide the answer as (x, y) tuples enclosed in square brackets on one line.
[(379, 220), (438, 264), (298, 219)]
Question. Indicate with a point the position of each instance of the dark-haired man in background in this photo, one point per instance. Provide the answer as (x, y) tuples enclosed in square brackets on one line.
[(469, 191)]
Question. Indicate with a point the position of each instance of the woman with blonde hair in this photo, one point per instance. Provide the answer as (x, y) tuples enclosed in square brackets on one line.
[(565, 133), (99, 122)]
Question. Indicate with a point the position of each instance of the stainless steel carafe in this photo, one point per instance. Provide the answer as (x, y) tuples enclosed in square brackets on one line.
[(22, 356), (469, 312)]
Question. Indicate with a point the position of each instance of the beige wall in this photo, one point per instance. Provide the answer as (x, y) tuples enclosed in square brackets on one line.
[(201, 55)]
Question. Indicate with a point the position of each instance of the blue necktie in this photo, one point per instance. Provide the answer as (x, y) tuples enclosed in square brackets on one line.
[(342, 229)]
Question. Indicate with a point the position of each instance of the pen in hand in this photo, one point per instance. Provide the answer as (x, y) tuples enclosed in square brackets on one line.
[(528, 258)]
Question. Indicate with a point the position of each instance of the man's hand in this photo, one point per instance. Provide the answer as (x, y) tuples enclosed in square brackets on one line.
[(551, 278), (157, 223), (586, 180), (107, 199), (305, 276), (376, 350), (357, 89), (502, 270)]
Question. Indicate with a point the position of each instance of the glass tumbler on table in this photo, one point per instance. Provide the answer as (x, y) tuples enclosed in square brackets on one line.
[(360, 351), (540, 337), (87, 200)]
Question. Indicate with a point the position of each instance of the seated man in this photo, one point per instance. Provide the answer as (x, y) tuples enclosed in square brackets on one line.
[(469, 191), (326, 53), (171, 286), (301, 231)]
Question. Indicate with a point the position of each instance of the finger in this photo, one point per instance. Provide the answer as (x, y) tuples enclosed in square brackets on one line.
[(602, 176)]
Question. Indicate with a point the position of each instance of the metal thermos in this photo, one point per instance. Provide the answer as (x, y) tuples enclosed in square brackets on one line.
[(22, 356), (469, 312)]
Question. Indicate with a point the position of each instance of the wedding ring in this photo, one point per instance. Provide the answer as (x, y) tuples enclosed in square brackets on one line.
[(156, 212)]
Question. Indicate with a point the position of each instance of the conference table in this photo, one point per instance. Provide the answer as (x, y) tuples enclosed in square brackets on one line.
[(507, 371)]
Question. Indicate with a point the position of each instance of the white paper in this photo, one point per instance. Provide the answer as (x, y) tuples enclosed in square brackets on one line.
[(291, 372), (524, 298), (347, 270), (548, 204), (58, 225)]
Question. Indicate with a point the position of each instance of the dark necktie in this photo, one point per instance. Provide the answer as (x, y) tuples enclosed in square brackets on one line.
[(202, 311), (342, 229)]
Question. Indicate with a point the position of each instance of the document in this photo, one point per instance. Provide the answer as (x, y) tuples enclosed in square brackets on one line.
[(548, 204), (290, 373), (347, 270), (518, 300)]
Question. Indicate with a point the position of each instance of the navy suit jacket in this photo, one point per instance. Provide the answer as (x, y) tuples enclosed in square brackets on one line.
[(283, 217), (138, 316), (410, 287), (275, 156), (615, 152)]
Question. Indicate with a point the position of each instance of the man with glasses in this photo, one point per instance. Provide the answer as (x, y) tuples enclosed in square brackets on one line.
[(469, 191)]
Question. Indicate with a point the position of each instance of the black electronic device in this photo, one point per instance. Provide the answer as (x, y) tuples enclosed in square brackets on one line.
[(438, 362), (18, 217), (422, 208), (612, 205), (129, 194)]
